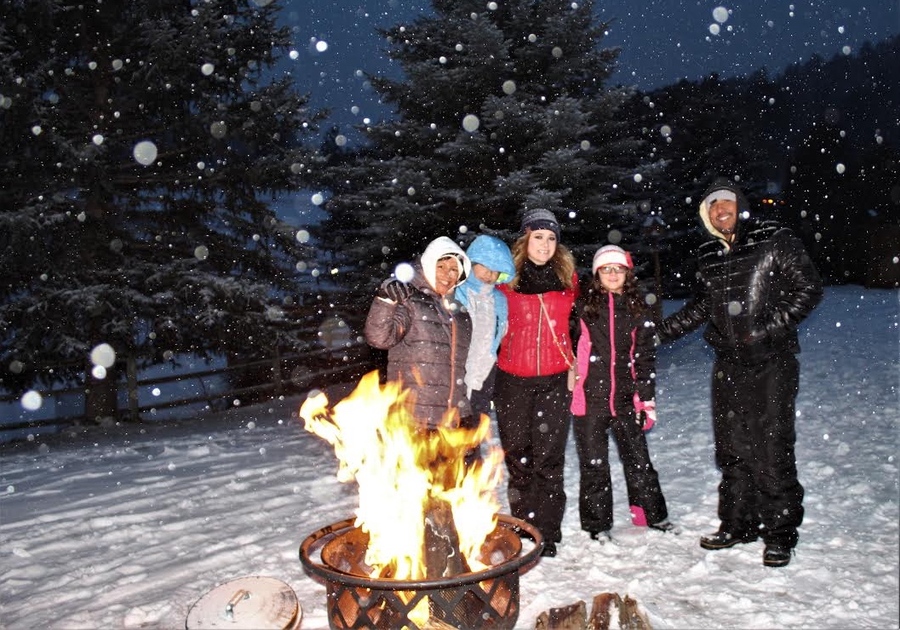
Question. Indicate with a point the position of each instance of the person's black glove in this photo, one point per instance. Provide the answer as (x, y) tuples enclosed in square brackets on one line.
[(395, 291)]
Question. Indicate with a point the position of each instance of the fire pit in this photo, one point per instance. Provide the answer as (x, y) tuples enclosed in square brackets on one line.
[(487, 598), (428, 547)]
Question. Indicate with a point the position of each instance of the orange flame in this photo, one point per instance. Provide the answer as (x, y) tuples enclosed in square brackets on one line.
[(399, 467)]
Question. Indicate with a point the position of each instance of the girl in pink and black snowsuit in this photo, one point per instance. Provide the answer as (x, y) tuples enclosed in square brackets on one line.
[(615, 393)]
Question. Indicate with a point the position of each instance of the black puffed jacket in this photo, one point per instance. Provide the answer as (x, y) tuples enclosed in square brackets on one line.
[(752, 295), (613, 367)]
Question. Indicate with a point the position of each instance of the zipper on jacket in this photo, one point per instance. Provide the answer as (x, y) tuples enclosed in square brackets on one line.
[(452, 363), (539, 335), (728, 296), (444, 311), (612, 355)]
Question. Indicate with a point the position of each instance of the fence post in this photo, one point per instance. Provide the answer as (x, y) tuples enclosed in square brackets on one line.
[(131, 377), (276, 371)]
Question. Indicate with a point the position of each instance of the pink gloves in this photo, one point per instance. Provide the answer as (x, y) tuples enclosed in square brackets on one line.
[(645, 412)]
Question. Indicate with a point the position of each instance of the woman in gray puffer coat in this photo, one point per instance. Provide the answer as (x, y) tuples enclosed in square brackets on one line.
[(426, 332)]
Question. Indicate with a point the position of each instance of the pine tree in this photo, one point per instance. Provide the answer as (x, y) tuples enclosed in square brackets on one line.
[(502, 106), (143, 141)]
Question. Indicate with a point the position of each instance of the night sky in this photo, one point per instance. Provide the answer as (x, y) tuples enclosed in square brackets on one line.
[(661, 40)]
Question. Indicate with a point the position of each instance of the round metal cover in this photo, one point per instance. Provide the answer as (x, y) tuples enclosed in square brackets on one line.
[(247, 603)]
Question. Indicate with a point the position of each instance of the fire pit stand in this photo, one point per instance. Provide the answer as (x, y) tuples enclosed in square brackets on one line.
[(477, 600)]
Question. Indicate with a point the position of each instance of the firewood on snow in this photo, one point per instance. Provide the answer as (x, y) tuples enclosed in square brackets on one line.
[(608, 610), (605, 606), (570, 617), (631, 617), (610, 606)]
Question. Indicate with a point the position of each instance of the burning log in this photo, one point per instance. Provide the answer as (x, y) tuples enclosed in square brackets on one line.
[(609, 610), (443, 559), (442, 555)]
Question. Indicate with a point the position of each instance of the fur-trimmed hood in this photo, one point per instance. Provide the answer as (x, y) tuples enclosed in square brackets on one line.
[(743, 206), (437, 249)]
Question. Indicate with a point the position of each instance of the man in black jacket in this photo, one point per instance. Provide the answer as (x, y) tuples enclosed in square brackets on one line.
[(756, 284)]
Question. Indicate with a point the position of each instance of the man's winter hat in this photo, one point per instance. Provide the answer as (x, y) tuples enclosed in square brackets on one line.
[(540, 219), (611, 255), (723, 188), (719, 194)]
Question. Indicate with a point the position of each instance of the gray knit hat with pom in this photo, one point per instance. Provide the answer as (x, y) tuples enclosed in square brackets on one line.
[(540, 219)]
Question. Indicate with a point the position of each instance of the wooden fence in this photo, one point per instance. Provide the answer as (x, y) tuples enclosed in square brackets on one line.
[(214, 389)]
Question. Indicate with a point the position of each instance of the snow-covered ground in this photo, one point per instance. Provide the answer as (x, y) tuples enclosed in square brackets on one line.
[(129, 527)]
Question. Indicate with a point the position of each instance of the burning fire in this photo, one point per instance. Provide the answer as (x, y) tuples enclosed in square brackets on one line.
[(405, 473)]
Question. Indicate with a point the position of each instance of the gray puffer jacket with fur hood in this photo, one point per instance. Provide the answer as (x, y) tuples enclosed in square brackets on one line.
[(427, 337)]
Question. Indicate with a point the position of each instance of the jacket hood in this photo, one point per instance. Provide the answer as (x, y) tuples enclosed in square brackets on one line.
[(743, 207), (494, 254), (437, 249)]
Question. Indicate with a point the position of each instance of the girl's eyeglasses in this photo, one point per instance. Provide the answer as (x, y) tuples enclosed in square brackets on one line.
[(611, 269)]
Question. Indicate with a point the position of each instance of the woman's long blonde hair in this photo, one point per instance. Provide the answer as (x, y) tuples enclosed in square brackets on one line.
[(563, 262)]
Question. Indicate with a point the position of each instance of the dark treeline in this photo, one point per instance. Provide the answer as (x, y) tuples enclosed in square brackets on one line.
[(147, 142), (816, 147), (143, 145)]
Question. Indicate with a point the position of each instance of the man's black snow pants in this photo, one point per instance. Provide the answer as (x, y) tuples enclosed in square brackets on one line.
[(753, 426)]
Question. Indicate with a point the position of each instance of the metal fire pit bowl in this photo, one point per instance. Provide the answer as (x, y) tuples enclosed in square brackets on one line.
[(476, 600)]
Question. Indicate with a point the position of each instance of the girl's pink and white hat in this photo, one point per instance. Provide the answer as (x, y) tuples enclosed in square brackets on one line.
[(611, 255)]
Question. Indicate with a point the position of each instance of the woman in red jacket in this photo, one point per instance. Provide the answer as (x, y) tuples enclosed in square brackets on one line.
[(531, 393)]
